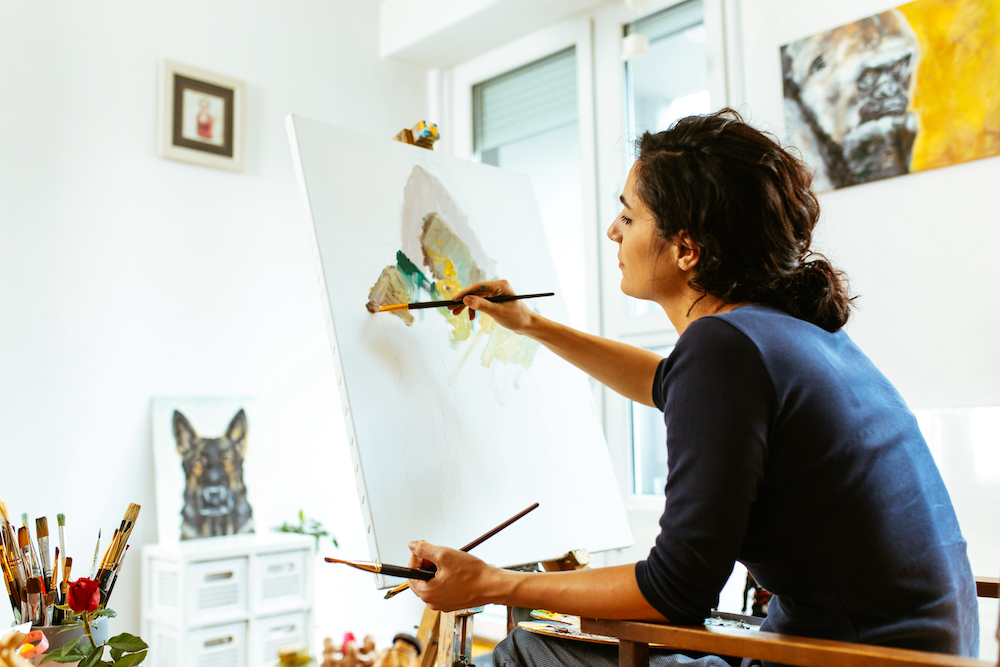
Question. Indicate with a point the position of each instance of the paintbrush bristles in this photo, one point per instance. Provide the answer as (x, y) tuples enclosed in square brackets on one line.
[(34, 586), (42, 527), (23, 537), (61, 519)]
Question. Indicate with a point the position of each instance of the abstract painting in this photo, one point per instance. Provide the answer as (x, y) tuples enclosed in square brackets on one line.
[(452, 263), (907, 90), (453, 425)]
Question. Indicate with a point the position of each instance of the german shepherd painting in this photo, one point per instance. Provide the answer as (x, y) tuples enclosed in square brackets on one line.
[(215, 497)]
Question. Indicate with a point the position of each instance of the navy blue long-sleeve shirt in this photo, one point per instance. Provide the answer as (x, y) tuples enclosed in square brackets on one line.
[(790, 452)]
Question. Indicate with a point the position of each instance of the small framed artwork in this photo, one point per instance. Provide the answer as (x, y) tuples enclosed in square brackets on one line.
[(201, 117)]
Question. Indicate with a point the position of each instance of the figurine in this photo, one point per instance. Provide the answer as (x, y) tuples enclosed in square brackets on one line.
[(404, 652), (349, 654)]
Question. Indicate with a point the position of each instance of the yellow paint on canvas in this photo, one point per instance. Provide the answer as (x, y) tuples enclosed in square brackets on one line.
[(957, 87)]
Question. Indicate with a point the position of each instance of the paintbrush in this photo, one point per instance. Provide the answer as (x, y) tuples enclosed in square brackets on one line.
[(97, 549), (13, 553), (381, 568), (42, 533), (118, 570), (503, 298), (54, 581), (12, 592), (23, 543), (67, 568), (49, 608), (33, 559), (61, 518), (34, 601), (468, 547), (117, 549)]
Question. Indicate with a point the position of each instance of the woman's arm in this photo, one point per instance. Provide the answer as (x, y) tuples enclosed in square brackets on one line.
[(627, 369), (462, 581)]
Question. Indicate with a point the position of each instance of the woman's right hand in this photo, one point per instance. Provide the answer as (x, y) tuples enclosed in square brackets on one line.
[(513, 315)]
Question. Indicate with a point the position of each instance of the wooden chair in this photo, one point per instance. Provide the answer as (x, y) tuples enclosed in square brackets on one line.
[(635, 637)]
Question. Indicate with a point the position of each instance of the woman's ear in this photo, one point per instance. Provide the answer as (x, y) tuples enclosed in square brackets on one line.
[(688, 252)]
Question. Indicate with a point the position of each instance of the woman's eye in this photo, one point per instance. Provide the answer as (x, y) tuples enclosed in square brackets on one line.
[(626, 221)]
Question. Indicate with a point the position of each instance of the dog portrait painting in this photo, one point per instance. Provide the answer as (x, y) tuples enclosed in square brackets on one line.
[(204, 466), (215, 496), (894, 93)]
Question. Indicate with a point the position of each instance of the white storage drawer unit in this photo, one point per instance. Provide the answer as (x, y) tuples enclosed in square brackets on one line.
[(227, 601)]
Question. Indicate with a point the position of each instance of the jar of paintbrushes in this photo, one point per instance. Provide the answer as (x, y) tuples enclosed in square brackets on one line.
[(67, 619)]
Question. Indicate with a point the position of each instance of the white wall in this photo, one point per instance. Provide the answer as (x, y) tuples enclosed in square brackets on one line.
[(921, 251), (124, 276)]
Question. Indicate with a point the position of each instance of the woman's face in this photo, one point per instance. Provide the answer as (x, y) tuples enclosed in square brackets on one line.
[(644, 257)]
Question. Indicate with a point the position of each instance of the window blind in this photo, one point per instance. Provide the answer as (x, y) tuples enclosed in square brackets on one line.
[(522, 103)]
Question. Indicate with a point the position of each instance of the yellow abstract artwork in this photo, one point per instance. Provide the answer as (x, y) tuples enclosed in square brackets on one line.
[(956, 93)]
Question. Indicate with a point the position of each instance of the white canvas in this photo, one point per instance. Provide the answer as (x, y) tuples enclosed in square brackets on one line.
[(451, 434), (209, 417)]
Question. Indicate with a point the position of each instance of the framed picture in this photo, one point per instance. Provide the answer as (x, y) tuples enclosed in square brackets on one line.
[(201, 117)]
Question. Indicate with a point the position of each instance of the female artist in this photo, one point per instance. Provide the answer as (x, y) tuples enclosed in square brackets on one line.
[(788, 450)]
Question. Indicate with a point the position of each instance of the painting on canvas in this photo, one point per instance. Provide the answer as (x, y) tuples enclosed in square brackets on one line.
[(200, 450), (454, 425), (907, 90)]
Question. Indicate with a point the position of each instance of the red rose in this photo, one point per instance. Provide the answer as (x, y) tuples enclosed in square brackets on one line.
[(83, 595)]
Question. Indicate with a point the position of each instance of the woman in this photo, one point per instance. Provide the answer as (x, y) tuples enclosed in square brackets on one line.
[(787, 449)]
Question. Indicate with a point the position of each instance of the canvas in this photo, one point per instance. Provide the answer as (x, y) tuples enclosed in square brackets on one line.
[(907, 90), (454, 426), (200, 447)]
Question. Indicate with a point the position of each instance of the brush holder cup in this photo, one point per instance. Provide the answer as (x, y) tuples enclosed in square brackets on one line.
[(60, 635)]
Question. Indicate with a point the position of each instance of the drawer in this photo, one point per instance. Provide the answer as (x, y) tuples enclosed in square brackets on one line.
[(272, 632), (215, 589), (164, 586), (219, 646), (280, 580)]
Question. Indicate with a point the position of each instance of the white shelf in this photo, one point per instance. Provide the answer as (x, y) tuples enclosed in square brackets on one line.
[(227, 601)]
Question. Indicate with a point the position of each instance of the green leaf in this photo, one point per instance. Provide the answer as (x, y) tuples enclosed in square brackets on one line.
[(131, 660), (116, 654), (110, 613), (94, 658), (69, 657), (127, 643)]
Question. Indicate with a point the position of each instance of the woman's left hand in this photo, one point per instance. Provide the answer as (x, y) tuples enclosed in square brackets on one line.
[(461, 581)]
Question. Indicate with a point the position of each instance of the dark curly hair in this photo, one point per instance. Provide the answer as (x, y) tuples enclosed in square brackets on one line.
[(748, 204)]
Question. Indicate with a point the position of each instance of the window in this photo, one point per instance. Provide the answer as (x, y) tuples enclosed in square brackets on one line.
[(527, 120), (671, 81), (668, 83), (649, 457)]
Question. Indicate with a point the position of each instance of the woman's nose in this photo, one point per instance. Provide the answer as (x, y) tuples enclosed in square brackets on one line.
[(613, 233)]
